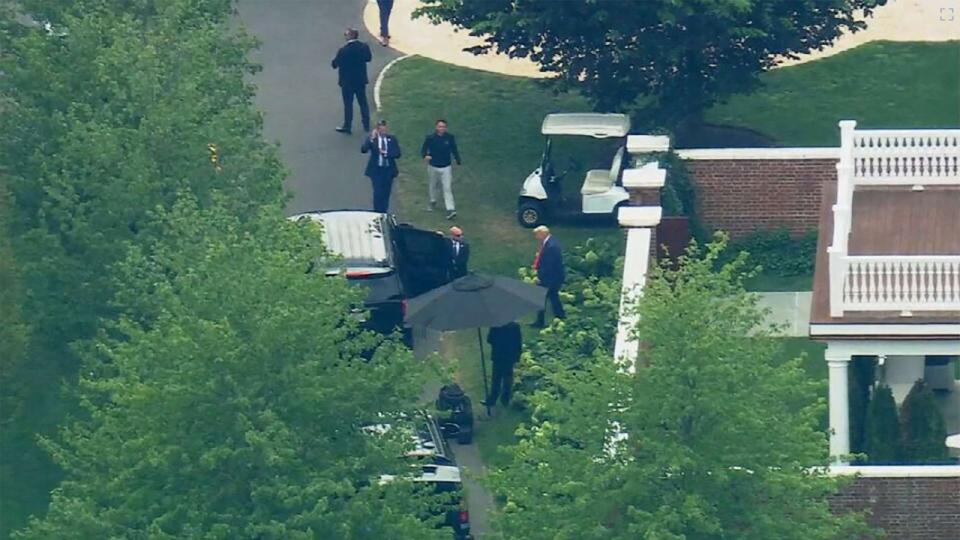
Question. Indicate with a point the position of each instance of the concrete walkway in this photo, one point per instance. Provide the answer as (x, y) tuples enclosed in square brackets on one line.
[(791, 309), (899, 20), (441, 42)]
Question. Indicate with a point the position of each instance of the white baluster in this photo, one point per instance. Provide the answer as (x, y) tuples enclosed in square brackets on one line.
[(923, 282), (894, 282), (885, 290), (942, 283), (854, 286), (913, 297), (951, 291)]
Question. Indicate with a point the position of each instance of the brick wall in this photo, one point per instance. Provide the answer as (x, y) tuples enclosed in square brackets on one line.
[(907, 508), (741, 195)]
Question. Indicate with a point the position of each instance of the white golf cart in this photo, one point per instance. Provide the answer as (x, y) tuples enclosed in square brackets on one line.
[(541, 198)]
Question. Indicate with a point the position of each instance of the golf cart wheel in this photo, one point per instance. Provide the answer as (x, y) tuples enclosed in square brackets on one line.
[(530, 214)]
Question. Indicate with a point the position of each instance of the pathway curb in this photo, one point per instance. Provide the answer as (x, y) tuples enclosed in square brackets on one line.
[(379, 82)]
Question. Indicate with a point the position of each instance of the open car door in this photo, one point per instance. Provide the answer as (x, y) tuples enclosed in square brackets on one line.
[(425, 259)]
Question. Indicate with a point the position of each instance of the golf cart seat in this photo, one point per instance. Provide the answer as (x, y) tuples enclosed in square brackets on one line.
[(601, 180), (597, 181)]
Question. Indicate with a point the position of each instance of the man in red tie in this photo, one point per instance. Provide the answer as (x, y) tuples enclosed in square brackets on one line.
[(550, 272)]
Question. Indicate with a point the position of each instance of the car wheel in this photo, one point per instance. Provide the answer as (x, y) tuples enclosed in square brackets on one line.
[(530, 214)]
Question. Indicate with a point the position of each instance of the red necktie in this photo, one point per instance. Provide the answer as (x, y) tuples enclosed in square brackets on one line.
[(536, 260)]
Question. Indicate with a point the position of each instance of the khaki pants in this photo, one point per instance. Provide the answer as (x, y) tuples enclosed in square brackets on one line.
[(441, 178)]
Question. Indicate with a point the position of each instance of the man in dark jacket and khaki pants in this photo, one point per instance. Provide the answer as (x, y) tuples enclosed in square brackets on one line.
[(351, 65)]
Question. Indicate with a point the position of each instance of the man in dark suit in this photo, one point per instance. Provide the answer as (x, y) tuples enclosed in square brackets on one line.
[(506, 344), (459, 253), (351, 63), (384, 150), (550, 272)]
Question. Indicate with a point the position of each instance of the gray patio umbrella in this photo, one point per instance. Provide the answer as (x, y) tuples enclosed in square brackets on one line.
[(475, 301)]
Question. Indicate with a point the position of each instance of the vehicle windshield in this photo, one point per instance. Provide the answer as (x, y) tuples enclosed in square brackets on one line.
[(577, 155)]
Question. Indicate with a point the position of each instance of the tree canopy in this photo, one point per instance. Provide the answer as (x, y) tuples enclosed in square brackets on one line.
[(710, 438), (227, 399), (671, 58), (222, 387), (105, 118)]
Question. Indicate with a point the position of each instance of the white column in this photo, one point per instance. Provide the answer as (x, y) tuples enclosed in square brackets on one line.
[(839, 406), (635, 263)]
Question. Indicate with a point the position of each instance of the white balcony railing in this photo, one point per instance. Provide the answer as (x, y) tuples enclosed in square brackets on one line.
[(914, 157), (897, 283), (906, 157)]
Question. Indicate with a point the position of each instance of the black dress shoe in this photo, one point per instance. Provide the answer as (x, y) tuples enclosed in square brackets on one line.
[(341, 129)]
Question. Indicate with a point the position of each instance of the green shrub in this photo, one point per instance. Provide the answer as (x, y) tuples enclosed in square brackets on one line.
[(862, 376), (591, 296), (882, 428), (922, 429), (778, 253), (678, 196)]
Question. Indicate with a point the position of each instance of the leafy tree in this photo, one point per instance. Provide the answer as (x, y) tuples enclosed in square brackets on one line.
[(922, 428), (13, 331), (674, 58), (104, 117), (107, 117), (226, 401), (710, 438), (882, 427)]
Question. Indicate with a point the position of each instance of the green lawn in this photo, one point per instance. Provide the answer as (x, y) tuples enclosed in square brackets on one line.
[(813, 363), (879, 84), (497, 123), (497, 119), (774, 283)]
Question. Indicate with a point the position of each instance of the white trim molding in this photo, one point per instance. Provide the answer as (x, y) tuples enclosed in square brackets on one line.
[(724, 154), (639, 216), (876, 347), (896, 471), (379, 81), (885, 329)]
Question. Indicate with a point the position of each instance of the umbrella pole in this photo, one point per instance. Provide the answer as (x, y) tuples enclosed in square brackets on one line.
[(483, 368)]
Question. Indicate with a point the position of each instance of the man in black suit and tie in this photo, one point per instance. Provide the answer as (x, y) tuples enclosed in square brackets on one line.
[(384, 150), (351, 65), (550, 272), (459, 253)]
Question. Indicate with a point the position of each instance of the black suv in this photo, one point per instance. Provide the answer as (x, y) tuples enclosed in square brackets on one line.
[(433, 464), (395, 261)]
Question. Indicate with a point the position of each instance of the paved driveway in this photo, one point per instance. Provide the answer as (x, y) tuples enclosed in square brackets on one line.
[(298, 92)]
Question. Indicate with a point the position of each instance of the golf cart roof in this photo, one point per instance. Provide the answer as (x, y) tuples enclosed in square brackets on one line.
[(595, 125)]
